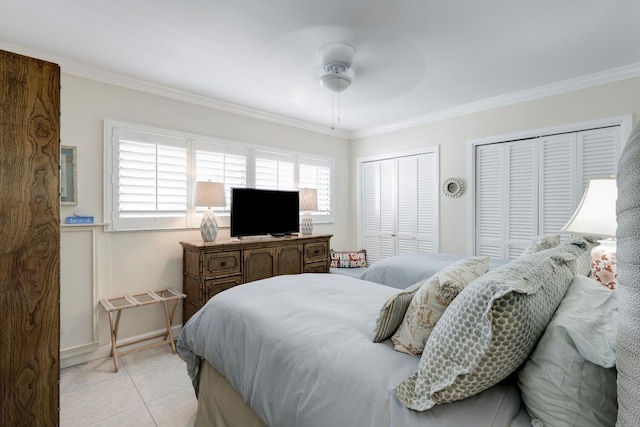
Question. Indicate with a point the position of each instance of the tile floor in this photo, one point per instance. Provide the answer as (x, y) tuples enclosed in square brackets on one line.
[(151, 388)]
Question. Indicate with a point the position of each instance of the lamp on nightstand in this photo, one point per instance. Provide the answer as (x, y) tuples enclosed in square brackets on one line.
[(596, 216), (308, 203), (209, 194)]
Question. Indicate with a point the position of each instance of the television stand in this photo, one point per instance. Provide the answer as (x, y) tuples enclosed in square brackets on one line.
[(212, 267)]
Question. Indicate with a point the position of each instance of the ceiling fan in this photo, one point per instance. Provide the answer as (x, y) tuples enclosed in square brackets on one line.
[(336, 73)]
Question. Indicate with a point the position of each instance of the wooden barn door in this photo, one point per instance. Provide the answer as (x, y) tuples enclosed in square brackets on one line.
[(29, 241)]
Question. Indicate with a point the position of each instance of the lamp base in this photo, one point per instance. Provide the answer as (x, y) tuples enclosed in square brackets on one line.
[(209, 226), (603, 263), (306, 225)]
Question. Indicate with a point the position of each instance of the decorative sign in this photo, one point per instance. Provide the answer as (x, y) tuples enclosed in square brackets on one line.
[(79, 220)]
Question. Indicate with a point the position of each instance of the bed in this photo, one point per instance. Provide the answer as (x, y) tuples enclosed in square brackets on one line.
[(272, 318), (403, 270), (299, 350)]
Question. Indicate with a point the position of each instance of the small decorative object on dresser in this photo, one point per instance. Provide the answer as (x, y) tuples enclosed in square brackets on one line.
[(210, 268), (308, 203), (209, 194), (596, 216)]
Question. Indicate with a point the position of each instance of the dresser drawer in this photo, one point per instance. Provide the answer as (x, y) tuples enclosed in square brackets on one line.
[(221, 263), (213, 287), (316, 267), (316, 251)]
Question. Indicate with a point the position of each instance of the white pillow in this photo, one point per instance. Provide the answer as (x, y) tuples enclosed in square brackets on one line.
[(569, 380), (431, 300)]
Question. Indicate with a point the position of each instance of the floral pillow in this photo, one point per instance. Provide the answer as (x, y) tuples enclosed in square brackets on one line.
[(348, 259), (430, 301)]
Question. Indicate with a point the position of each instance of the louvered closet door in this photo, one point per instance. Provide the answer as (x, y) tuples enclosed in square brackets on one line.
[(398, 205), (532, 187), (506, 198), (522, 186), (557, 182), (378, 209), (599, 151), (415, 201)]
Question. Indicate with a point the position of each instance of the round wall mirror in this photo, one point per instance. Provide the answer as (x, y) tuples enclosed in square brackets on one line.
[(452, 187)]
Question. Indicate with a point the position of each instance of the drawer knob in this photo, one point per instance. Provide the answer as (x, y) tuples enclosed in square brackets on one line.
[(223, 263), (317, 251)]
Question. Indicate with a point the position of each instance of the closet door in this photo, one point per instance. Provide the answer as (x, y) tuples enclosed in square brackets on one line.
[(506, 201), (399, 205), (532, 187), (378, 212), (416, 190)]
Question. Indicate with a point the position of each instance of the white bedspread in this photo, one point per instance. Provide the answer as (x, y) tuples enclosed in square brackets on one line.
[(299, 351), (402, 271)]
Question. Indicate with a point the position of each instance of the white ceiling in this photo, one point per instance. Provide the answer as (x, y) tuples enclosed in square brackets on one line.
[(414, 59)]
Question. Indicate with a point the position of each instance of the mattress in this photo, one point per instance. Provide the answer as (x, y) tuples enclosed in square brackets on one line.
[(298, 350)]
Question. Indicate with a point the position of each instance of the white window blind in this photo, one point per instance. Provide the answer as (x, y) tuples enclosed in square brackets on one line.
[(151, 180), (220, 163), (316, 173), (274, 171), (150, 174)]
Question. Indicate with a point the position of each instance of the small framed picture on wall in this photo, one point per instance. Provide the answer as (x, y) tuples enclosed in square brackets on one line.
[(68, 177)]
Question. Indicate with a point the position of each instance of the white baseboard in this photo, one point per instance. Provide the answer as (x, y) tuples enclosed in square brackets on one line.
[(68, 358)]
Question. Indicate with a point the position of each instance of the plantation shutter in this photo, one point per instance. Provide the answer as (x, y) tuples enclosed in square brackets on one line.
[(274, 171), (221, 163), (151, 180), (314, 173)]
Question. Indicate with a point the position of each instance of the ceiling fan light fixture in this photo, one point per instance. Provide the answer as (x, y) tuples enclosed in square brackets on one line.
[(335, 82)]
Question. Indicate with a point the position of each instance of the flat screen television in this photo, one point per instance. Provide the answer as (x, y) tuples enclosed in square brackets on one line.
[(256, 212)]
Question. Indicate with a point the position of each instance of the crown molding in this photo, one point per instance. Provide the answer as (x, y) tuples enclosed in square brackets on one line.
[(93, 73), (596, 79), (81, 70)]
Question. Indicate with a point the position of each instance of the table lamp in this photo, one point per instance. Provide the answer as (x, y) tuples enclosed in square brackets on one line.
[(209, 194), (596, 216), (308, 203)]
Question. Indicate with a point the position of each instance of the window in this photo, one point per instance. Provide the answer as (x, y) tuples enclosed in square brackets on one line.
[(150, 174)]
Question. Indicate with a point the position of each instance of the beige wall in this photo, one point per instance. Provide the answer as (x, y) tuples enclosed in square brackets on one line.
[(133, 261), (452, 134)]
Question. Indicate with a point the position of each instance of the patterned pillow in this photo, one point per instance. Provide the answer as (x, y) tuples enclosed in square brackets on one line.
[(540, 243), (432, 299), (347, 259), (392, 312), (490, 328)]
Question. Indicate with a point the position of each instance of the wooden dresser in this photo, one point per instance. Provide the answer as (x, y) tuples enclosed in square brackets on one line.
[(211, 267)]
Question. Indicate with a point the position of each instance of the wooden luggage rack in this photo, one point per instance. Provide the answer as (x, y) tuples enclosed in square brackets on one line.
[(169, 299)]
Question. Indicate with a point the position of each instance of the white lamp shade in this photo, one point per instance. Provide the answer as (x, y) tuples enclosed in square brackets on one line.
[(210, 194), (596, 214), (308, 199)]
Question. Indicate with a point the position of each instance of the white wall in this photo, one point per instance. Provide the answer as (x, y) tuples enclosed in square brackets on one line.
[(452, 134), (134, 261)]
